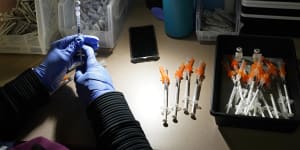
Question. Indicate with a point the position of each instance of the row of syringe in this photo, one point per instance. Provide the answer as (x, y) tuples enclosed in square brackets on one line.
[(186, 70)]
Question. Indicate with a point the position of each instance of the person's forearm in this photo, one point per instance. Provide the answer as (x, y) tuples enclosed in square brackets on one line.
[(20, 97), (114, 123)]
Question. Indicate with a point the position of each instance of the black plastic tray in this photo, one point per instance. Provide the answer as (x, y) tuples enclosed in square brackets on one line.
[(272, 20), (270, 47), (270, 27)]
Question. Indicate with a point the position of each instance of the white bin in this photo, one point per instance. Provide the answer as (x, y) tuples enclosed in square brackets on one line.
[(116, 13), (211, 36), (35, 43)]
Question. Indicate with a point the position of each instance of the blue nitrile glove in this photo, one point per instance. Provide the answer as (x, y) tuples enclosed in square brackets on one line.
[(92, 79), (60, 58)]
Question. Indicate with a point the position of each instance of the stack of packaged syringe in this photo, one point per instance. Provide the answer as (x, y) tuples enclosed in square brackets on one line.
[(19, 20), (94, 15), (259, 86), (30, 27)]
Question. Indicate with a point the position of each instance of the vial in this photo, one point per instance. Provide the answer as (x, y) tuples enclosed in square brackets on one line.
[(239, 54), (256, 55)]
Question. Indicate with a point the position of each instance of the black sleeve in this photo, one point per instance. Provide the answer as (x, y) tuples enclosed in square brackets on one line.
[(18, 99), (115, 125)]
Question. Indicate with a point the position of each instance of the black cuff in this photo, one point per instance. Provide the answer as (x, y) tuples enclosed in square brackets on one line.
[(18, 99), (114, 124), (108, 110), (25, 92)]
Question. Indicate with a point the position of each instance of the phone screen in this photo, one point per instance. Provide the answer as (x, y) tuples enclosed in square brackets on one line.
[(143, 46)]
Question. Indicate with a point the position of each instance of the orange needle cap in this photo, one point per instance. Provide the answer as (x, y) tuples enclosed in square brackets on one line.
[(282, 71), (189, 65), (201, 69), (179, 72), (164, 76)]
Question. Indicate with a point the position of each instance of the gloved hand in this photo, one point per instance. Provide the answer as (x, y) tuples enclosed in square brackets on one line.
[(92, 79), (60, 58)]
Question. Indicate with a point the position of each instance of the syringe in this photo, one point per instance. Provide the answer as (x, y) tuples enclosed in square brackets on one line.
[(178, 76), (166, 82), (77, 15), (199, 79), (188, 70)]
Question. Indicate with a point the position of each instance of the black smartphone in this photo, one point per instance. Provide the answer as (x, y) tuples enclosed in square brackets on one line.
[(143, 45)]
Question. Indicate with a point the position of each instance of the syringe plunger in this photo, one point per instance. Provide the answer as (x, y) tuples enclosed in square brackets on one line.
[(77, 14)]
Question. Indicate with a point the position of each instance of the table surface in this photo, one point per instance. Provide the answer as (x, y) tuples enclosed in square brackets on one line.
[(64, 120)]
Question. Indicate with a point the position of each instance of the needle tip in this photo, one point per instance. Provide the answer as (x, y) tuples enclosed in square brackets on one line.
[(175, 120), (193, 116), (165, 124), (186, 112)]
